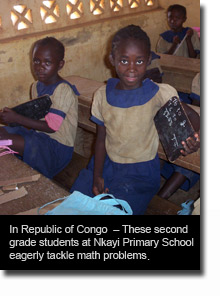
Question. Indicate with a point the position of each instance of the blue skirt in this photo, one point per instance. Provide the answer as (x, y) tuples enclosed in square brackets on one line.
[(42, 153), (135, 183)]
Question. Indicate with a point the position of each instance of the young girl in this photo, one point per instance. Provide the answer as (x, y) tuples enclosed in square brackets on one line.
[(126, 163), (170, 40), (46, 145)]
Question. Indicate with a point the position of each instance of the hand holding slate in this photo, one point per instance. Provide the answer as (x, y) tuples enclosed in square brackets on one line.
[(176, 124), (192, 144)]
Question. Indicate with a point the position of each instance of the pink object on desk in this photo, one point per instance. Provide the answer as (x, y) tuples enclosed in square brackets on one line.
[(5, 142), (4, 149), (197, 29)]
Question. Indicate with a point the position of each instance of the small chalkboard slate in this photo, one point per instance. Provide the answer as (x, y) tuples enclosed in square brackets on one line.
[(173, 127), (35, 109)]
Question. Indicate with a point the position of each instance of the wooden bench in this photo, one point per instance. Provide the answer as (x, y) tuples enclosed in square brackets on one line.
[(179, 71), (87, 87)]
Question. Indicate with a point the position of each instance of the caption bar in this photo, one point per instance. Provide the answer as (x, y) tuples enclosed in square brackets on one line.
[(103, 245)]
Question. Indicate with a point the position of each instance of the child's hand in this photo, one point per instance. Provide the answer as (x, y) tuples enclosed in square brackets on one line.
[(8, 116), (189, 33), (98, 186), (191, 145), (176, 40)]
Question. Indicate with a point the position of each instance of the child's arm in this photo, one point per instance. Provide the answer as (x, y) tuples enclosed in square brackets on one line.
[(191, 144), (8, 116), (176, 41), (192, 53), (100, 153)]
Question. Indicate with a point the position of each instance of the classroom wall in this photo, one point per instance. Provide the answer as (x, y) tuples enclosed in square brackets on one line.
[(86, 49), (192, 8)]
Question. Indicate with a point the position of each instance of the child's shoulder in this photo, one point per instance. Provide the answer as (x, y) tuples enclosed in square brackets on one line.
[(64, 84), (167, 35), (165, 88)]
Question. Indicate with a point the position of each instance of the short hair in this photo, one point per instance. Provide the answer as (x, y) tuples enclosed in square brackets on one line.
[(58, 46), (177, 7), (131, 31)]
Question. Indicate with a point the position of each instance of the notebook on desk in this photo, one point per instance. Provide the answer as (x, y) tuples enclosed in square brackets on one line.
[(35, 109), (173, 127)]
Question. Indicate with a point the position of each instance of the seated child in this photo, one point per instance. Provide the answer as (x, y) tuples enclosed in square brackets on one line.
[(178, 40), (126, 163), (46, 145)]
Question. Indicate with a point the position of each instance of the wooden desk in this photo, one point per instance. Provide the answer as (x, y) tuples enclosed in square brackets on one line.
[(38, 192), (87, 87), (179, 71)]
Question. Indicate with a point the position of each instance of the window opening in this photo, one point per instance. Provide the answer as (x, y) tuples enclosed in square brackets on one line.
[(97, 7), (21, 17), (74, 9), (49, 12), (149, 2), (134, 3), (116, 5)]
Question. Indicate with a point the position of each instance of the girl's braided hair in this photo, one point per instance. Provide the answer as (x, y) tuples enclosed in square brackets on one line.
[(130, 32)]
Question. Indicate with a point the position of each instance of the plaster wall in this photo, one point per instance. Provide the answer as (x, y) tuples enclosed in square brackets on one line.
[(86, 49)]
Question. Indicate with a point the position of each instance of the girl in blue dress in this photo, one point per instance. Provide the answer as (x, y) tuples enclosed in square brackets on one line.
[(46, 145), (126, 163)]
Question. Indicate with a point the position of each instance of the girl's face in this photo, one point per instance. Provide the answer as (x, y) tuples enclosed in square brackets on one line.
[(130, 61), (175, 20), (46, 64)]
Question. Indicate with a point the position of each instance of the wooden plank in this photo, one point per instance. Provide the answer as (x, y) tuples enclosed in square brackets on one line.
[(85, 86), (179, 71), (179, 64), (84, 114), (160, 206), (13, 195), (20, 180), (10, 187)]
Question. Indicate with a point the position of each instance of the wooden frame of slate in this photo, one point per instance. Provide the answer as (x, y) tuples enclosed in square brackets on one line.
[(173, 127)]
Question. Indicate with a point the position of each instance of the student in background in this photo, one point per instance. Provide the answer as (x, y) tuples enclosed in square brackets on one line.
[(46, 145), (178, 40), (126, 162), (183, 42)]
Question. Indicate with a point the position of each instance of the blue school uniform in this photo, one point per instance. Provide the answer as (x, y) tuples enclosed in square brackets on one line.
[(166, 39), (49, 153), (131, 169)]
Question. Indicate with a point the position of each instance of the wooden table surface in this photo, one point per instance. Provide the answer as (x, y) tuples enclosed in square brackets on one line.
[(38, 192)]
